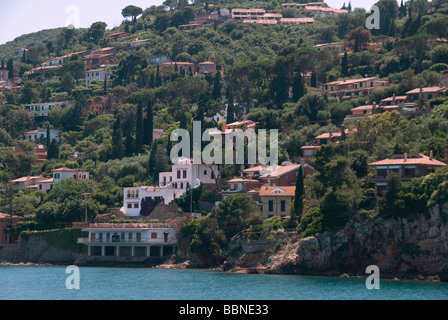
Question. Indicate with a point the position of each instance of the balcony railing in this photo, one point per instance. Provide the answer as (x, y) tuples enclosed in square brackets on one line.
[(171, 240), (128, 225)]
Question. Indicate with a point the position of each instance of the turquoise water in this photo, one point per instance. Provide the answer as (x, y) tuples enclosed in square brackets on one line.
[(49, 283)]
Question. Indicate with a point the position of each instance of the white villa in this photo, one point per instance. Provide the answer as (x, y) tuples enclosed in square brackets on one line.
[(41, 133), (172, 185), (97, 74), (43, 109), (130, 240)]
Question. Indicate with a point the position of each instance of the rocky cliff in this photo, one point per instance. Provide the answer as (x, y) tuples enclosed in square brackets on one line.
[(411, 247)]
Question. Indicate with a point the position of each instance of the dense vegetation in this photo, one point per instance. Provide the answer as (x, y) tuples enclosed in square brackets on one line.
[(261, 64)]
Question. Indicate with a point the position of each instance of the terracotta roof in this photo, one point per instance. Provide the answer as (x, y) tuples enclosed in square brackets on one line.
[(282, 191), (366, 107), (326, 135), (281, 170), (50, 180), (396, 98), (23, 179), (243, 180), (64, 169), (412, 159), (426, 90)]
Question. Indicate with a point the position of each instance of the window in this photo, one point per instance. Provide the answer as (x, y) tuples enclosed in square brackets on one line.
[(184, 174), (129, 205), (282, 205), (271, 205), (178, 174), (153, 235), (135, 205), (205, 172)]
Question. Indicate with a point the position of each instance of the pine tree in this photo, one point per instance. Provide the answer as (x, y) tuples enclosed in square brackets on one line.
[(344, 65), (149, 126), (117, 140), (139, 129), (349, 7)]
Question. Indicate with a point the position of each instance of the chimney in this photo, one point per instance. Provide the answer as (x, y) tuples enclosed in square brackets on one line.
[(405, 157), (374, 107), (431, 156)]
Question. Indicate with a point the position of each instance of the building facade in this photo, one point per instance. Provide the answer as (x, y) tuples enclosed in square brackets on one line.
[(277, 201), (43, 109), (407, 166), (130, 240), (172, 185)]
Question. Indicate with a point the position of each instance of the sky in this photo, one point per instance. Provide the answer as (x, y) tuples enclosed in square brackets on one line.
[(18, 17)]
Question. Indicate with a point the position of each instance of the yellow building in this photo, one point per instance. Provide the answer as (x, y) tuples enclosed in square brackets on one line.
[(277, 200)]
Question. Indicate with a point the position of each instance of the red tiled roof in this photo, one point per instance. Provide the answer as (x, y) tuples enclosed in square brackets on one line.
[(288, 191), (64, 169), (412, 159), (426, 90)]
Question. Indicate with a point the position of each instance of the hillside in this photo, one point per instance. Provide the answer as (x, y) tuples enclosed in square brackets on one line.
[(366, 111)]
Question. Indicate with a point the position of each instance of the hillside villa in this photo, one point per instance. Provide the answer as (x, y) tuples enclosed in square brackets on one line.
[(133, 240), (43, 109), (277, 201), (353, 88), (45, 183), (408, 166), (101, 74), (173, 184), (310, 149), (41, 134)]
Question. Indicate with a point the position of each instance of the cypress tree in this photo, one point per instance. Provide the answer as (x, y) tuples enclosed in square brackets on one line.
[(139, 129), (230, 107), (149, 126), (313, 80), (152, 159), (344, 65), (158, 81), (298, 198), (48, 137), (298, 89), (216, 94), (53, 150), (117, 140), (10, 68)]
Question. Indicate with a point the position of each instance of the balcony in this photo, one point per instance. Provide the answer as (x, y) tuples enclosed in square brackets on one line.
[(171, 240)]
